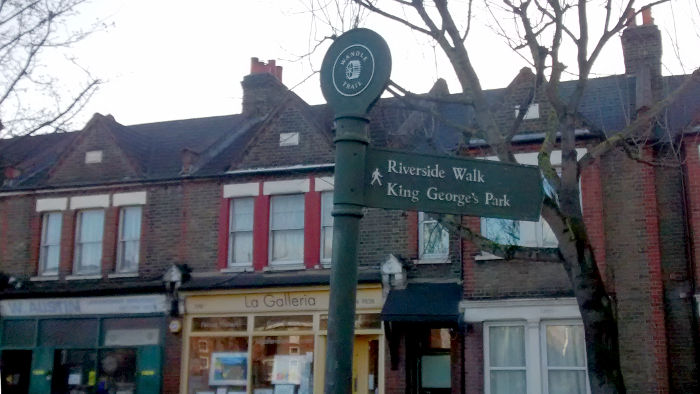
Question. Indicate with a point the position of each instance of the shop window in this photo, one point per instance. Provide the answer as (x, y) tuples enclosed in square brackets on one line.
[(240, 234), (50, 250), (434, 239), (18, 333), (287, 229), (283, 363), (218, 362), (129, 239), (117, 371), (560, 349), (74, 371), (68, 332), (326, 227), (235, 323), (88, 242), (363, 321)]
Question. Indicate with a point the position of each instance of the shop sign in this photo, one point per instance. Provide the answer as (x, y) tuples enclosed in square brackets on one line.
[(84, 306), (289, 301), (452, 185)]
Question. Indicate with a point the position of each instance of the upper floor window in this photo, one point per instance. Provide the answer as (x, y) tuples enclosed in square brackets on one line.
[(522, 233), (240, 233), (129, 239), (287, 229), (433, 238), (50, 249), (326, 226), (88, 242)]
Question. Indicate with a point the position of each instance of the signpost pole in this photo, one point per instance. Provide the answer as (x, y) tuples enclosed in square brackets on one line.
[(354, 74), (350, 146)]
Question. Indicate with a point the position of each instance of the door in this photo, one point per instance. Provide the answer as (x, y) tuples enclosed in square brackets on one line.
[(365, 364), (16, 371)]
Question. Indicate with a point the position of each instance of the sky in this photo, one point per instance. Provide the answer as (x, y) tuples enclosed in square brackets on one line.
[(171, 59)]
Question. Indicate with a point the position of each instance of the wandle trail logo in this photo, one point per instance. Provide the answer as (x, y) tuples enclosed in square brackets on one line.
[(353, 70)]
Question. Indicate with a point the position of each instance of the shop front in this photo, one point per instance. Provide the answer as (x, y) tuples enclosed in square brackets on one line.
[(273, 341), (88, 345)]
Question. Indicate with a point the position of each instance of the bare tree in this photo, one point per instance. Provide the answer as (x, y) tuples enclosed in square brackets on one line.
[(32, 99), (543, 32)]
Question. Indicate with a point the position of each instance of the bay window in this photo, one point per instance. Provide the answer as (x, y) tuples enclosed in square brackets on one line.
[(240, 236), (50, 249), (129, 239), (88, 242), (286, 229)]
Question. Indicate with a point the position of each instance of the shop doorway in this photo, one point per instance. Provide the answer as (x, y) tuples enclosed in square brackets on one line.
[(16, 368), (365, 364)]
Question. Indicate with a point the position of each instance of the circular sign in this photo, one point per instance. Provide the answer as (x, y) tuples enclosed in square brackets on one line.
[(353, 70)]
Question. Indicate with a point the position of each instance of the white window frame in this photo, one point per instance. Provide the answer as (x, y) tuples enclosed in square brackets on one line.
[(43, 253), (326, 260), (121, 241), (77, 255), (543, 351), (230, 263), (285, 263), (487, 365), (423, 218)]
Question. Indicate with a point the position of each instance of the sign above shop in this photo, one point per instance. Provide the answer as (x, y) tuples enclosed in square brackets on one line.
[(452, 185), (84, 306)]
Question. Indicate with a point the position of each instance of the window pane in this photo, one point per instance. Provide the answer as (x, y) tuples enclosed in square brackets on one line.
[(507, 346), (363, 321), (19, 333), (131, 223), (327, 209), (565, 346), (51, 244), (242, 246), (117, 371), (90, 256), (91, 226), (567, 382), (238, 323), (287, 212), (508, 382), (502, 231), (435, 238), (326, 226), (327, 246), (242, 214), (283, 360), (68, 332), (89, 248), (288, 245), (273, 323), (216, 362), (435, 371)]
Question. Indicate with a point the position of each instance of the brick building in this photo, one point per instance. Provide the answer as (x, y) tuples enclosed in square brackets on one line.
[(192, 255)]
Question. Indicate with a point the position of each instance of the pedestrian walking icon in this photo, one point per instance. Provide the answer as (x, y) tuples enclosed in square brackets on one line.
[(376, 177)]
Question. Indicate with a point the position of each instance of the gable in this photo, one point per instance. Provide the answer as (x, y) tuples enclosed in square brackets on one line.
[(93, 157), (289, 137)]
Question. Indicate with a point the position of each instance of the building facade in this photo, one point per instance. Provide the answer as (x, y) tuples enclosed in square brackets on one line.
[(193, 256)]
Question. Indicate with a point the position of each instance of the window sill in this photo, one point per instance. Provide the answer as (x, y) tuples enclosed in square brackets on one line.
[(123, 275), (236, 269), (83, 277), (486, 256), (285, 267), (433, 260), (41, 278)]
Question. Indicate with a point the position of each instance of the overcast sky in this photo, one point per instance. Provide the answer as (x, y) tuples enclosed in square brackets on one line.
[(171, 59)]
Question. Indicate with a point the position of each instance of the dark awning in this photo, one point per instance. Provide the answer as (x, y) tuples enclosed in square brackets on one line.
[(424, 302)]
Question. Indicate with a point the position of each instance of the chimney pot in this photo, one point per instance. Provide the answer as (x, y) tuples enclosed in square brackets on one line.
[(258, 67)]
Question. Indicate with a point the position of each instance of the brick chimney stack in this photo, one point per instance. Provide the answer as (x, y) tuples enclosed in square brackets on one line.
[(262, 88), (641, 48)]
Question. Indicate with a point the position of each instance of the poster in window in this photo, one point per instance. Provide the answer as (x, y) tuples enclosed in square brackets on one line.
[(287, 369), (228, 368)]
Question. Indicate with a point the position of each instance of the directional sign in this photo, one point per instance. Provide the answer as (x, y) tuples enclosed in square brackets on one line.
[(444, 184)]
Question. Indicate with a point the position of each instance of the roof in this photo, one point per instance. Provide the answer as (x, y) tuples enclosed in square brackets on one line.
[(156, 149)]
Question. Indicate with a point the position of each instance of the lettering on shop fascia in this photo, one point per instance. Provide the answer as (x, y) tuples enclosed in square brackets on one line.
[(452, 185), (83, 306)]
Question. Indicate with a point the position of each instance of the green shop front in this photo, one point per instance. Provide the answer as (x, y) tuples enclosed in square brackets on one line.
[(82, 345)]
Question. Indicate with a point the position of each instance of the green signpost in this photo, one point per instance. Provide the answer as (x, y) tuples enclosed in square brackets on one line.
[(354, 74)]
